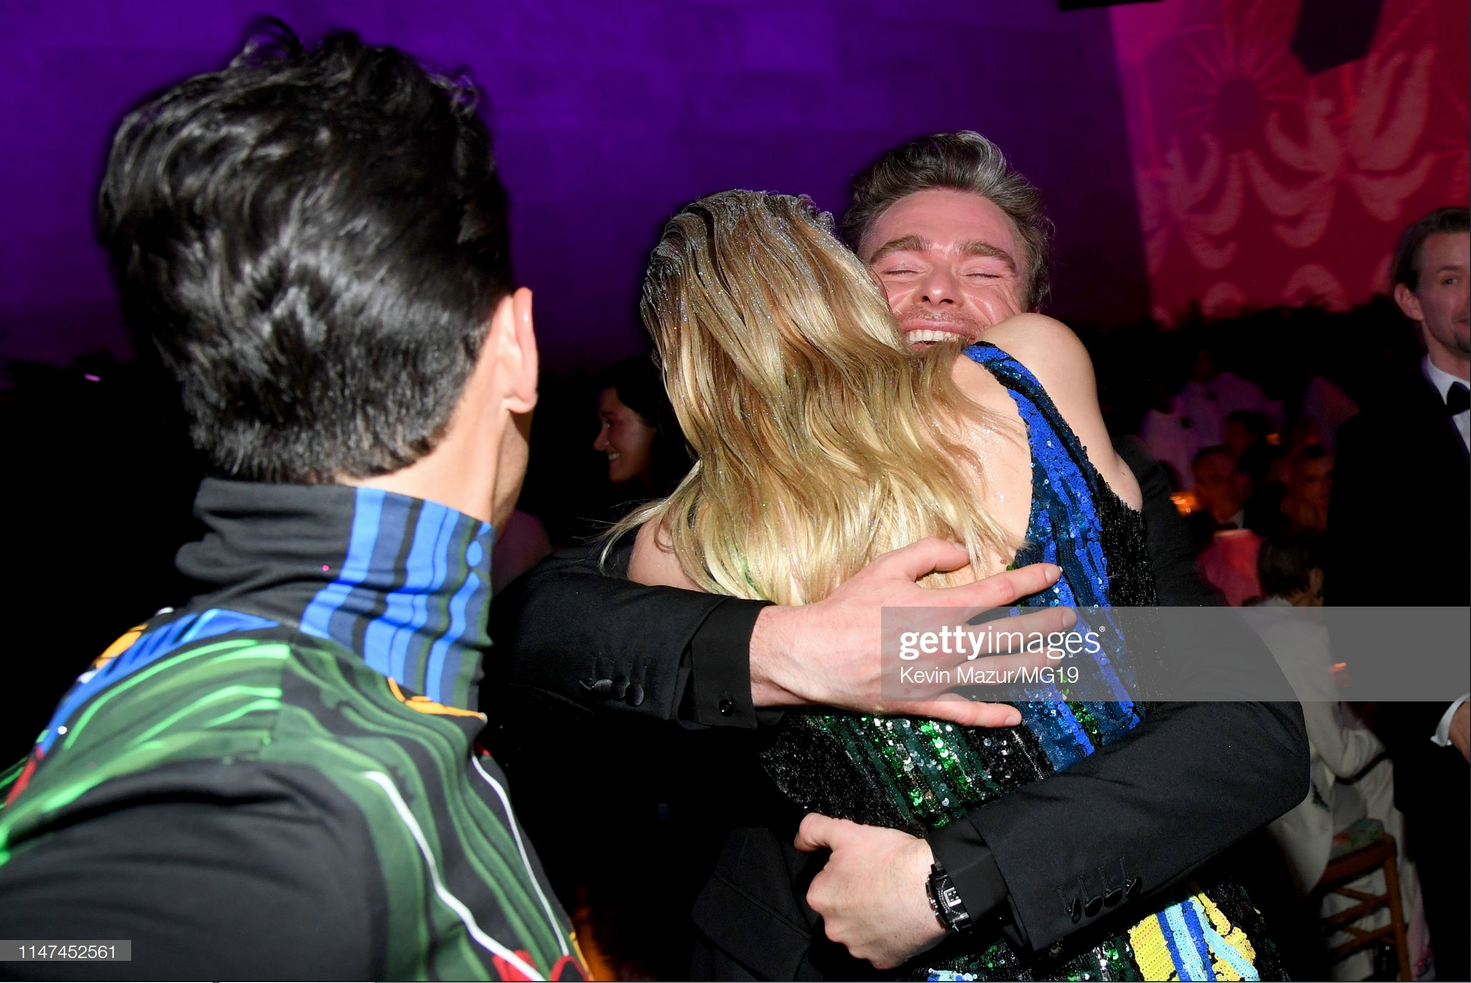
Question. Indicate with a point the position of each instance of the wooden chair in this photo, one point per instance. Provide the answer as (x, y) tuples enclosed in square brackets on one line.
[(1351, 866)]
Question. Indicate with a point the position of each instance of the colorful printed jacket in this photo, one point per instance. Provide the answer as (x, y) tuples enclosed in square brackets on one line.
[(281, 779)]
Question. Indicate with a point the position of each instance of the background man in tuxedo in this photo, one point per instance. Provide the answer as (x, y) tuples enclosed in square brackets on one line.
[(1402, 501), (959, 241)]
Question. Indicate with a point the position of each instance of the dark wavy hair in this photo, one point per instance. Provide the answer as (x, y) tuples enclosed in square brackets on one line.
[(313, 240), (963, 161)]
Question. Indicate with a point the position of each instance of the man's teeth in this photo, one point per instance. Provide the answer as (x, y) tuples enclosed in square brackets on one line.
[(614, 455), (929, 334)]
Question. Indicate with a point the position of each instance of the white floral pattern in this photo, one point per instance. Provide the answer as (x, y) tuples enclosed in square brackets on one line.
[(1284, 186)]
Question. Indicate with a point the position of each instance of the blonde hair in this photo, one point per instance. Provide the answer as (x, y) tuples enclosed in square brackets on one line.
[(822, 441)]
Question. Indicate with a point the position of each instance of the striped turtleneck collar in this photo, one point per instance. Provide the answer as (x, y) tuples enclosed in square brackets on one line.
[(403, 582)]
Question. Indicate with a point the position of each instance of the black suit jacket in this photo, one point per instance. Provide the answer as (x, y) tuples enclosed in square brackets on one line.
[(1400, 515), (1400, 521)]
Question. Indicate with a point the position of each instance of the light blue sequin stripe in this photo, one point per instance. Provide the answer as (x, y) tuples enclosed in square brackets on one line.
[(1189, 914), (438, 676), (1221, 947), (367, 512), (406, 610), (147, 649)]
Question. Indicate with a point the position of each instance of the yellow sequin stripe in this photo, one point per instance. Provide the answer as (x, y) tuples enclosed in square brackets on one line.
[(425, 705), (1152, 951), (125, 641)]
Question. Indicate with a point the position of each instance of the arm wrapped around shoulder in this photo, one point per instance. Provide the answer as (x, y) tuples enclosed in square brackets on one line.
[(569, 632)]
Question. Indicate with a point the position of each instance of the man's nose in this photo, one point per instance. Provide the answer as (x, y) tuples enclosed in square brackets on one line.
[(939, 287), (600, 442)]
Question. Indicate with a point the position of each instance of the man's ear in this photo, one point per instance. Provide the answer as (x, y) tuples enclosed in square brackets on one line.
[(515, 352), (1408, 302)]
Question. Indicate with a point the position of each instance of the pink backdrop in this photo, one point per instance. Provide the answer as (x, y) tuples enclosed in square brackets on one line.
[(1259, 184)]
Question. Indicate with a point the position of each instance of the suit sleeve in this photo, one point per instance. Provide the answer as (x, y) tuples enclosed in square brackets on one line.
[(1139, 814), (569, 632), (1189, 781)]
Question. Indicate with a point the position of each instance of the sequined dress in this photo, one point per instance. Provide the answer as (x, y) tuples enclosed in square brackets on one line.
[(917, 774)]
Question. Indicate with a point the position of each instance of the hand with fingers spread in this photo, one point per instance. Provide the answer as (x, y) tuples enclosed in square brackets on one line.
[(828, 653), (871, 895)]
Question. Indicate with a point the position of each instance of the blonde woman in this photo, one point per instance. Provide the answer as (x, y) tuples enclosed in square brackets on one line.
[(823, 442)]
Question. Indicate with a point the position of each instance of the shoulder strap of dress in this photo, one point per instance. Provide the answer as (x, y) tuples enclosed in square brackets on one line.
[(1020, 382)]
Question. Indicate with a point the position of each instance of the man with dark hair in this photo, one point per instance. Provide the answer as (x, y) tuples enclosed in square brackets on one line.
[(955, 261), (1401, 500), (280, 778)]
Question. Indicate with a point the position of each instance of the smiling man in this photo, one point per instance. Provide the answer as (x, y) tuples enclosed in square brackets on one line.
[(957, 237)]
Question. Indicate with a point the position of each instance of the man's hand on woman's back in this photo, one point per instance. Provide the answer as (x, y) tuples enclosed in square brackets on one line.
[(829, 653)]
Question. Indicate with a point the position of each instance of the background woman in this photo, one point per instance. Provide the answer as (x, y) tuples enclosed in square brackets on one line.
[(637, 430)]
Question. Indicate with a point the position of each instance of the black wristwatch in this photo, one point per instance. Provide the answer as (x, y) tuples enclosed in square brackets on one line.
[(945, 901)]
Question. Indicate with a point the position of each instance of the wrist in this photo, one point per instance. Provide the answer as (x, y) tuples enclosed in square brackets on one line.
[(917, 873), (770, 658)]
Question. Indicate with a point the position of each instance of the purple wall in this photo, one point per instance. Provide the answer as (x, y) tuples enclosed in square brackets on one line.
[(608, 117)]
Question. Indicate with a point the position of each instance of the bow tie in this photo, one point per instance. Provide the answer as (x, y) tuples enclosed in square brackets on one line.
[(1457, 399)]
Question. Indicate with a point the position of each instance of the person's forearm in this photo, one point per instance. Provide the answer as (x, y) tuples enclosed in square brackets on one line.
[(568, 631)]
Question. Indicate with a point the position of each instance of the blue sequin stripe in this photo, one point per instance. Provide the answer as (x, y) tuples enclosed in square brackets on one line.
[(1061, 735), (1182, 946), (147, 649), (1068, 515), (1190, 913), (1067, 477), (1062, 457), (1220, 947)]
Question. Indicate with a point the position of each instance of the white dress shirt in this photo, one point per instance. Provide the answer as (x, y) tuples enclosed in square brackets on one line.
[(1442, 381)]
